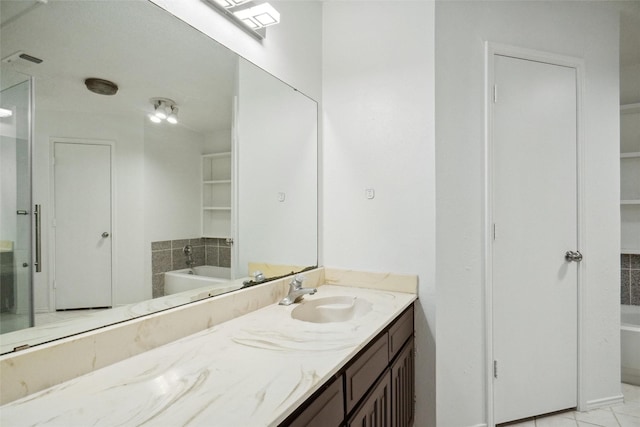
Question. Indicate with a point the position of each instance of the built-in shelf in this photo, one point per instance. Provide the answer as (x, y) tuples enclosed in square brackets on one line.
[(216, 195), (630, 178), (630, 108)]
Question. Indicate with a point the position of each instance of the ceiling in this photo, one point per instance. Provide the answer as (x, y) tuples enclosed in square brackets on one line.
[(146, 51)]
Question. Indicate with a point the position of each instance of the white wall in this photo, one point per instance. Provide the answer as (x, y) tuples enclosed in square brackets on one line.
[(583, 29), (172, 186), (378, 95), (291, 50), (277, 154)]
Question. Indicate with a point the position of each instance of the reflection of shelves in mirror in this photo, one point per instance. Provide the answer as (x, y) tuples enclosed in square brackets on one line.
[(216, 195), (630, 178)]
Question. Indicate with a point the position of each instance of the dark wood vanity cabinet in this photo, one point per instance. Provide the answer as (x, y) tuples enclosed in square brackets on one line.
[(376, 388)]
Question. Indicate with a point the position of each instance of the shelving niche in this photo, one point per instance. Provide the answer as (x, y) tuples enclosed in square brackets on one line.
[(216, 195), (630, 178)]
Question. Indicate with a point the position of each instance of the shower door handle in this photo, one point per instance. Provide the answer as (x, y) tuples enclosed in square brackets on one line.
[(38, 264), (573, 256)]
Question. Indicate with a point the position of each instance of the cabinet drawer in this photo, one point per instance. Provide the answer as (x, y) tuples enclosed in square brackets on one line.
[(400, 332), (365, 370), (326, 410)]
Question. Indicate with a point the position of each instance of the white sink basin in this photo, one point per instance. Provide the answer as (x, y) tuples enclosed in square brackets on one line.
[(331, 309)]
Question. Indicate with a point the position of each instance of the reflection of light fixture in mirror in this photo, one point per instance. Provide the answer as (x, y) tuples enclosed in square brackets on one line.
[(164, 109), (230, 3), (5, 113), (173, 115), (259, 16), (250, 16)]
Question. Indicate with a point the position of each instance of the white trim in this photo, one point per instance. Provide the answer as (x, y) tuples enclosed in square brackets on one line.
[(602, 403), (52, 198), (492, 49)]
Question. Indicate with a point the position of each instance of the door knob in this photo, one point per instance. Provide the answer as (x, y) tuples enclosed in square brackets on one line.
[(573, 256), (106, 234)]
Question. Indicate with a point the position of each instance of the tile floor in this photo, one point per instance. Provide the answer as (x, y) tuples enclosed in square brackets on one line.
[(622, 415)]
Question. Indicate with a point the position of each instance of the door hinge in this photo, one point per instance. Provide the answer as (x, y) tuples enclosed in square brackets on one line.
[(494, 231), (495, 94), (495, 369)]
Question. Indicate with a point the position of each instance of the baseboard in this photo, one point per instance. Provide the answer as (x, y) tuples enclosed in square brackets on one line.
[(605, 401), (479, 425)]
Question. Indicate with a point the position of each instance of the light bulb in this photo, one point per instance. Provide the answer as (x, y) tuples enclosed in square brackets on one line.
[(154, 118), (161, 110), (173, 116)]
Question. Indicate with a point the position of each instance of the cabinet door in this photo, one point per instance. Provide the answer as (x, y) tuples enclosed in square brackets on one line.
[(326, 410), (375, 410), (403, 387)]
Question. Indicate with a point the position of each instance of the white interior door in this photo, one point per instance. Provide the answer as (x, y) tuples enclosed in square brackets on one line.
[(535, 220), (82, 190)]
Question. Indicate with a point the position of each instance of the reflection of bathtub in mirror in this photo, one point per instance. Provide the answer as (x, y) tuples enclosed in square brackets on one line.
[(206, 276)]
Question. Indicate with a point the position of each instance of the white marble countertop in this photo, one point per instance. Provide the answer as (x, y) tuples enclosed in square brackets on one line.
[(253, 370)]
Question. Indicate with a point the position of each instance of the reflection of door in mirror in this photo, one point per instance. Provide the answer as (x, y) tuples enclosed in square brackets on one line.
[(82, 224), (16, 306)]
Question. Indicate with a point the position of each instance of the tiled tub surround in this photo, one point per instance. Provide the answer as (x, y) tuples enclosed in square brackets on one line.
[(630, 279), (32, 370), (168, 255)]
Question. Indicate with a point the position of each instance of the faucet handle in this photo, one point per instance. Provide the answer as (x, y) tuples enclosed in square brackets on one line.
[(296, 282)]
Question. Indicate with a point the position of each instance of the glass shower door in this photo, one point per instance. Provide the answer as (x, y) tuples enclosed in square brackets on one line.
[(16, 214)]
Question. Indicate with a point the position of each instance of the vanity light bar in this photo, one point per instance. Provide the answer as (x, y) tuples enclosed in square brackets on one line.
[(262, 15), (5, 113), (252, 18)]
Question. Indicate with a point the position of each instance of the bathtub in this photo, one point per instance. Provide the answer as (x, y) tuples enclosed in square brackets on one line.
[(630, 343), (213, 279)]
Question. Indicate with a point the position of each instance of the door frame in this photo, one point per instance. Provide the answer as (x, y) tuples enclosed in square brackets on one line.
[(52, 229), (492, 49)]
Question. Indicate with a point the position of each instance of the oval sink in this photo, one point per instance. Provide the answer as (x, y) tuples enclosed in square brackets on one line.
[(331, 309)]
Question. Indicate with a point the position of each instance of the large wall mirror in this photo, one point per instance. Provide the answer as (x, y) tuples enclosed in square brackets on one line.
[(130, 208)]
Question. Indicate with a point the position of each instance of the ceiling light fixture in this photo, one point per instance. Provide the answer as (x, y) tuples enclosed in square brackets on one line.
[(164, 109), (4, 112), (173, 115)]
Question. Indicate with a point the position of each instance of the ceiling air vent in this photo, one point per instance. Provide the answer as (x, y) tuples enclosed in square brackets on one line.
[(19, 57)]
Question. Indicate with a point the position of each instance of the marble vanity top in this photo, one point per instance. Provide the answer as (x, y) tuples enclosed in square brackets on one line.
[(253, 370)]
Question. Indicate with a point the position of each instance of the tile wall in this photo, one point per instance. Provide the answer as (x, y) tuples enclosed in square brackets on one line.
[(630, 279), (168, 255)]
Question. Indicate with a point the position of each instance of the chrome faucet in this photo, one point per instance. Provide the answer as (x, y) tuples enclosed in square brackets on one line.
[(188, 251), (296, 291)]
